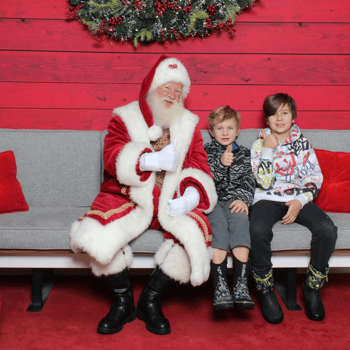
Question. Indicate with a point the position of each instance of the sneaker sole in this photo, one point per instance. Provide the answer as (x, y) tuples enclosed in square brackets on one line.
[(244, 306), (223, 306)]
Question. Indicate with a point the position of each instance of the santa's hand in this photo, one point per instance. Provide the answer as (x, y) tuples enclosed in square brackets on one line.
[(166, 159), (184, 204)]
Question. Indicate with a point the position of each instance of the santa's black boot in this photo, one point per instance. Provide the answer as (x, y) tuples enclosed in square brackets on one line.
[(222, 297), (240, 293), (123, 307), (311, 288), (149, 308)]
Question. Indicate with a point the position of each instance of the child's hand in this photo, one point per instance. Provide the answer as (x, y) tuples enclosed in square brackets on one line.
[(239, 206), (269, 141), (227, 157), (293, 211)]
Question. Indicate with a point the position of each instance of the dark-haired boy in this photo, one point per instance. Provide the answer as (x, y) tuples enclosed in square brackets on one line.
[(288, 179)]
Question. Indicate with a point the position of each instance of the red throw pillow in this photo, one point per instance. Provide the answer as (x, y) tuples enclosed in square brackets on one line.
[(11, 195), (334, 195)]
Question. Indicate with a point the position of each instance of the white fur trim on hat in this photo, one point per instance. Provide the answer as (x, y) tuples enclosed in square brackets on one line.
[(155, 132), (171, 70)]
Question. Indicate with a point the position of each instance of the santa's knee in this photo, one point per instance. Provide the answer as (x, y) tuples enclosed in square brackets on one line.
[(174, 261), (121, 260)]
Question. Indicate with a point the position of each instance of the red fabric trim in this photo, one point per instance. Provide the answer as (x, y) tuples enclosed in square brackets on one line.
[(203, 224), (114, 142), (105, 218), (197, 158), (168, 235), (204, 202)]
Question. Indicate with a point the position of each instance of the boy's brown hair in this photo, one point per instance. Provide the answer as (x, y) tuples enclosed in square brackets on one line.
[(221, 114), (273, 103)]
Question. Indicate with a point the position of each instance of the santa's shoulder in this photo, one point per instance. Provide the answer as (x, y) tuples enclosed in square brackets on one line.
[(189, 119), (131, 107)]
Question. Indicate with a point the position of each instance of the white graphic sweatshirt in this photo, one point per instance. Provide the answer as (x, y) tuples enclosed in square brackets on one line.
[(290, 171)]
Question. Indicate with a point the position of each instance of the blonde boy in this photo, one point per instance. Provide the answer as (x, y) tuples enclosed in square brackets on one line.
[(234, 181)]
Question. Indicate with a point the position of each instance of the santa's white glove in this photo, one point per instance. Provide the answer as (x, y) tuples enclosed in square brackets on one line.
[(166, 159), (184, 204)]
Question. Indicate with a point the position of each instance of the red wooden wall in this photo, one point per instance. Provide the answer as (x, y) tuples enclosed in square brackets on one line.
[(53, 75)]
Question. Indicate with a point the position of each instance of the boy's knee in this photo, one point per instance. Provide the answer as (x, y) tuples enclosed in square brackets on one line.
[(329, 231), (257, 230)]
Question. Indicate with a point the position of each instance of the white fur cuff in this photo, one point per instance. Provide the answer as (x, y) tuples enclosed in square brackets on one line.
[(119, 262), (174, 261), (206, 181), (126, 164)]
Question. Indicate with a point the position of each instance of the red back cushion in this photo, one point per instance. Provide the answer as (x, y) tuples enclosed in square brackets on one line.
[(334, 195), (11, 195)]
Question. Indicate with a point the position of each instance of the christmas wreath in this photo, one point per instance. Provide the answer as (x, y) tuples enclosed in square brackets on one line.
[(148, 20)]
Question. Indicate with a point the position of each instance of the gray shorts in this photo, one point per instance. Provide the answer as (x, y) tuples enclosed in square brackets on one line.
[(230, 230)]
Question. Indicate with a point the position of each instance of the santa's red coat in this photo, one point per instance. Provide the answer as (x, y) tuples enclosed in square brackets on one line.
[(129, 202)]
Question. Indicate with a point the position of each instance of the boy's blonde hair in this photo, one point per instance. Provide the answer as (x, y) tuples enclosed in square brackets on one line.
[(221, 114)]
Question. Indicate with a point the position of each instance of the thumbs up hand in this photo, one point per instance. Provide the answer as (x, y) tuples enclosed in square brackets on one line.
[(270, 141), (166, 159), (227, 157)]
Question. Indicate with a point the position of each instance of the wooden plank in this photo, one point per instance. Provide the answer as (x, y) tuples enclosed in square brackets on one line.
[(203, 69), (202, 97), (38, 9), (79, 119), (298, 11), (56, 119), (257, 38), (266, 11), (328, 120)]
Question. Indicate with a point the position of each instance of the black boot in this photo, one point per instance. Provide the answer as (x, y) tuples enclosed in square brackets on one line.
[(240, 293), (270, 306), (149, 307), (123, 307), (222, 297), (312, 293)]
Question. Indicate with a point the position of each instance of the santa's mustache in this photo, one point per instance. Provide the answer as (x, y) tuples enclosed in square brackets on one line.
[(163, 116), (169, 99)]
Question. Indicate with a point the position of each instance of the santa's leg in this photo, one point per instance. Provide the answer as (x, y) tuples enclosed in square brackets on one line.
[(123, 307), (117, 275), (149, 306), (173, 265)]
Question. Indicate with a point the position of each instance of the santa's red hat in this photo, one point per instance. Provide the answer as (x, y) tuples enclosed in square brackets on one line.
[(166, 69)]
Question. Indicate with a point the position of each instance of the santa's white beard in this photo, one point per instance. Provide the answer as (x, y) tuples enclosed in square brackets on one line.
[(163, 116)]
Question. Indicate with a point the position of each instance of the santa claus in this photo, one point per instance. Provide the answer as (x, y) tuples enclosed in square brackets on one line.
[(156, 176)]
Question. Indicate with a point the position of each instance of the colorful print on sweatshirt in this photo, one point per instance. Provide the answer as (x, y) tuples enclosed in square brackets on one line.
[(290, 171)]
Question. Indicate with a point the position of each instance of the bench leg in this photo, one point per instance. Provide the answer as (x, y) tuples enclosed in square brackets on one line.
[(286, 285), (42, 283)]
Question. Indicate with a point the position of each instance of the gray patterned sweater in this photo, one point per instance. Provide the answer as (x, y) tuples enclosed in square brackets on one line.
[(236, 181)]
